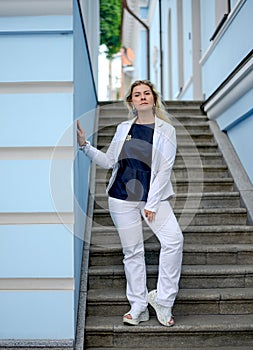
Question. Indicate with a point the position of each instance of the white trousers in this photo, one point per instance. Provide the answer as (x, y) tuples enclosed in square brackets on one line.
[(127, 217)]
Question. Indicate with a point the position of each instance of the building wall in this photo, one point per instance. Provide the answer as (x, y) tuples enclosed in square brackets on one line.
[(229, 61), (90, 13), (43, 179), (230, 46), (85, 109)]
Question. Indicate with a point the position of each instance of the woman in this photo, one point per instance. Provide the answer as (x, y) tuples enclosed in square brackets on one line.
[(141, 156)]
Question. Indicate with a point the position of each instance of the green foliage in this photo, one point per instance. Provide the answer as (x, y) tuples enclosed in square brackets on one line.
[(110, 20)]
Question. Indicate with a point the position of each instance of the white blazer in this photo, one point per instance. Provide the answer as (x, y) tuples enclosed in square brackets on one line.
[(163, 157)]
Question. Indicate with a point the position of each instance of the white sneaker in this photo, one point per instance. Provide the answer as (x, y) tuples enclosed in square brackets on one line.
[(143, 317), (163, 313)]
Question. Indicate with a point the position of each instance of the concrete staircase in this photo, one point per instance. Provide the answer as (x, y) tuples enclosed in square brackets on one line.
[(214, 308)]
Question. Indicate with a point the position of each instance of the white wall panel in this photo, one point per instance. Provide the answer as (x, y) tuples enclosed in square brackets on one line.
[(35, 23)]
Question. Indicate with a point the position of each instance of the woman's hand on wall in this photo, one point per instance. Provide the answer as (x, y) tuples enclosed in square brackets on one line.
[(80, 135)]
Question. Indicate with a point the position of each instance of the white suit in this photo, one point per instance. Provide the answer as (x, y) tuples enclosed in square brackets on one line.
[(127, 217), (163, 156)]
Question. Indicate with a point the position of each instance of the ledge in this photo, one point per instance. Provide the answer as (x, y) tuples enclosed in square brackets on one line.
[(231, 90), (12, 8), (67, 344), (37, 87), (241, 179), (31, 218)]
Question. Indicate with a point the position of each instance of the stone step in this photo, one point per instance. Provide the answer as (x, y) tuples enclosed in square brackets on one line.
[(106, 133), (199, 158), (107, 118), (187, 171), (192, 200), (185, 118), (179, 348), (197, 147), (182, 186), (223, 234), (185, 146), (110, 123), (195, 157), (220, 216), (194, 254), (172, 107), (217, 301), (192, 277), (111, 118), (207, 185), (191, 331)]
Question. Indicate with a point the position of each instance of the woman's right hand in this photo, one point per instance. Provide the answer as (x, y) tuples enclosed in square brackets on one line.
[(80, 135)]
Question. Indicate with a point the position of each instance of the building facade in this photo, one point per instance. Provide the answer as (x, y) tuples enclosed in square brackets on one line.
[(198, 50), (48, 79)]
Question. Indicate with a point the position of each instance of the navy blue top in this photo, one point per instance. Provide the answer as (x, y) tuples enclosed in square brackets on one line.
[(133, 177)]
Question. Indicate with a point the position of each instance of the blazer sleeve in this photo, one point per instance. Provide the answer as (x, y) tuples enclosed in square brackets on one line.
[(104, 159), (164, 159)]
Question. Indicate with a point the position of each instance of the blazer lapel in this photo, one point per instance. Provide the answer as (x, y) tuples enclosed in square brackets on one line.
[(156, 137), (123, 136)]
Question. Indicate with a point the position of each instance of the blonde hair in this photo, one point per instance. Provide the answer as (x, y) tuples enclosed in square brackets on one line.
[(159, 108)]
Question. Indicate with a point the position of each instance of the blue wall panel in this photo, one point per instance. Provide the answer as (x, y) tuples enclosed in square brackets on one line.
[(235, 111), (85, 103), (40, 57), (207, 23), (35, 119), (36, 251), (25, 186), (36, 315), (41, 49), (229, 51), (241, 138)]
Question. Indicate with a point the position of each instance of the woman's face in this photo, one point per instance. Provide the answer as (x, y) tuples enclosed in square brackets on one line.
[(142, 98)]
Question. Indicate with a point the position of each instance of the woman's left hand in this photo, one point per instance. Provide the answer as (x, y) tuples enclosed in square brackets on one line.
[(150, 215)]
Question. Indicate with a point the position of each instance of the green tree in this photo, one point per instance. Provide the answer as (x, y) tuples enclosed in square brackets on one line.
[(110, 20)]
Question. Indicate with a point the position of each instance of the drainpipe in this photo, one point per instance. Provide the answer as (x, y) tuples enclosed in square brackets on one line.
[(125, 6), (161, 46)]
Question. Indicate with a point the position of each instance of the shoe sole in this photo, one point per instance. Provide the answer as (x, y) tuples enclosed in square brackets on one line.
[(153, 303), (135, 322)]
